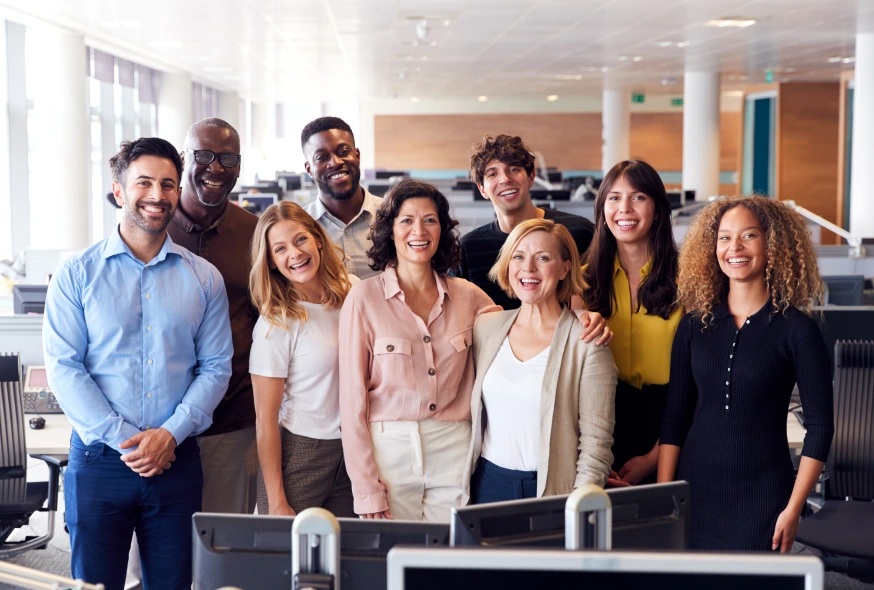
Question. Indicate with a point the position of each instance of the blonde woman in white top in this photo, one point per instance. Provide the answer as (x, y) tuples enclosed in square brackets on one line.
[(298, 284)]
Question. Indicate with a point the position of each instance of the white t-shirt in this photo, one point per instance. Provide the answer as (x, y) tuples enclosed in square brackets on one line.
[(511, 398), (306, 356)]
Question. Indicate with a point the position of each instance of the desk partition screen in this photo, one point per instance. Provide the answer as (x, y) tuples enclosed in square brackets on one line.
[(517, 569)]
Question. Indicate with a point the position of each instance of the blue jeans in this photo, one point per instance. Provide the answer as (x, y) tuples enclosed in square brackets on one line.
[(492, 483), (106, 502)]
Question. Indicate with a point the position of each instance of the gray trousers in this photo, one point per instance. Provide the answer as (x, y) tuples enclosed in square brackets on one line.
[(230, 483), (313, 475)]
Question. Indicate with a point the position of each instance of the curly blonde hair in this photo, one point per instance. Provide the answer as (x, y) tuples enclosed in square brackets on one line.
[(791, 272)]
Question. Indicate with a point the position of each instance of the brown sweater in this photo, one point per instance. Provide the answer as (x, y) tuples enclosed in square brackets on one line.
[(577, 405)]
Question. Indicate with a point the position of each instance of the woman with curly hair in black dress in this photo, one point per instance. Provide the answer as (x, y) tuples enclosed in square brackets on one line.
[(748, 278)]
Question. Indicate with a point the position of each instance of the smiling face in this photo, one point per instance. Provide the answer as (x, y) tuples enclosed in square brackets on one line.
[(334, 163), (629, 213), (740, 246), (536, 268), (149, 193), (209, 185), (506, 186), (416, 231), (295, 252)]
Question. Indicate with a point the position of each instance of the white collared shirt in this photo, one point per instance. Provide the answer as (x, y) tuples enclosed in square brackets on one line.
[(353, 237)]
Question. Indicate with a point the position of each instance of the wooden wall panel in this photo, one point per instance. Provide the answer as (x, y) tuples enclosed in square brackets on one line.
[(568, 141), (808, 128)]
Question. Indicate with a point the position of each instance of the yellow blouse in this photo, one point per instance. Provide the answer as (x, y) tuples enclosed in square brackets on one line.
[(642, 343)]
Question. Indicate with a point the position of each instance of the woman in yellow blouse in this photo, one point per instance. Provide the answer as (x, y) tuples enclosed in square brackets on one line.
[(630, 272)]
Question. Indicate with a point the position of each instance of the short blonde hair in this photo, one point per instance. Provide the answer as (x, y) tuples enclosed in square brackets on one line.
[(571, 285), (273, 295)]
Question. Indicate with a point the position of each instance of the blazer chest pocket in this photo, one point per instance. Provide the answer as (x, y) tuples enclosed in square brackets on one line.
[(394, 359), (463, 340)]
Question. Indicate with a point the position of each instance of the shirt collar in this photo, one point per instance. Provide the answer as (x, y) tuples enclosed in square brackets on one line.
[(183, 221), (370, 205), (763, 316), (115, 245), (644, 270), (392, 287)]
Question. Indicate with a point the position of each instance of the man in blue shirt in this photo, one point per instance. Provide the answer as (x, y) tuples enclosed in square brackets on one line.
[(138, 349)]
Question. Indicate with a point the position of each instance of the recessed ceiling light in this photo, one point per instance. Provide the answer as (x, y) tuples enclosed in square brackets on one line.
[(637, 58), (730, 21), (665, 43), (482, 98), (604, 69), (414, 99), (623, 58), (848, 60), (569, 76), (552, 97), (683, 44), (446, 23)]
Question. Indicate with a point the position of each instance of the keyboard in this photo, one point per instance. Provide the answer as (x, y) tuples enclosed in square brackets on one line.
[(41, 402)]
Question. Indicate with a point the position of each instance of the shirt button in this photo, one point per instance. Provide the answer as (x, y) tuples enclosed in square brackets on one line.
[(432, 407), (427, 339), (726, 407), (149, 361), (729, 369), (748, 321), (726, 382), (390, 347), (726, 396), (432, 372), (148, 296), (150, 395), (149, 328), (733, 343), (148, 427), (731, 356)]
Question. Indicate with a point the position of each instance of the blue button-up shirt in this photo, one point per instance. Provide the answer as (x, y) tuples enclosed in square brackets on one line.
[(132, 346)]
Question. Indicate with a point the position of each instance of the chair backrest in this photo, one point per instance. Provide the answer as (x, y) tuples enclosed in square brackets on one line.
[(851, 464), (13, 447)]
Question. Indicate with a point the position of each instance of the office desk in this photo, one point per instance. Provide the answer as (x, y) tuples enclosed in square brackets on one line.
[(54, 439)]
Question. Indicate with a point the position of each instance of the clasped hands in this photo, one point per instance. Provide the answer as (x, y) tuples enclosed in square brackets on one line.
[(154, 452)]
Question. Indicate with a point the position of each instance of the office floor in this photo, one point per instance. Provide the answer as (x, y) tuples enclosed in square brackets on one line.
[(55, 558)]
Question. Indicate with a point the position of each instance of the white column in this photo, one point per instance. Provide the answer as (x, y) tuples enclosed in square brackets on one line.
[(229, 108), (174, 108), (615, 128), (701, 134), (862, 173), (60, 218)]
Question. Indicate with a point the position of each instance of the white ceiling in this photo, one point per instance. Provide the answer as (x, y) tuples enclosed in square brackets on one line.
[(303, 50)]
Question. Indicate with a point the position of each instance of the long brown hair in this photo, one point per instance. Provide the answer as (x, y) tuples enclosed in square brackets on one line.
[(273, 295), (658, 292)]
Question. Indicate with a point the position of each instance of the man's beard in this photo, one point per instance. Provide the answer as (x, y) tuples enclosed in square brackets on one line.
[(149, 226), (326, 190)]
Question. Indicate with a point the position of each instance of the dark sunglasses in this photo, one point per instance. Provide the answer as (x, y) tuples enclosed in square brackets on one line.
[(206, 157)]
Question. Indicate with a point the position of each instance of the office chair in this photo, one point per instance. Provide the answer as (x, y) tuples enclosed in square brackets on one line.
[(843, 529), (18, 498)]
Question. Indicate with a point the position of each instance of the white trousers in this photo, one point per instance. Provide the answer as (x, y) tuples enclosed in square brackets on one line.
[(421, 465)]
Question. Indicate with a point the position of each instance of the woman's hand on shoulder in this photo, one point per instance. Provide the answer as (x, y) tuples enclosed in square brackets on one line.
[(595, 328)]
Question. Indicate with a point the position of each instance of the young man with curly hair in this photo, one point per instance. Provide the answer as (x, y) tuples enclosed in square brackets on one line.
[(503, 169)]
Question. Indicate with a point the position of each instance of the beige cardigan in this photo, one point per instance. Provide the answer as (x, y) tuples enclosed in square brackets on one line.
[(577, 405)]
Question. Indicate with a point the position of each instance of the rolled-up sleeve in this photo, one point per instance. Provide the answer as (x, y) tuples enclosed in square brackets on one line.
[(597, 416), (65, 344), (682, 390), (214, 348), (356, 356)]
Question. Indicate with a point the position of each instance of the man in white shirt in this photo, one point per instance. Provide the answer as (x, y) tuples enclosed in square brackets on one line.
[(344, 208)]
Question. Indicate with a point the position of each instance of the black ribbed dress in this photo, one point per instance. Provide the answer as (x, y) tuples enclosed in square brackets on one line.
[(727, 402)]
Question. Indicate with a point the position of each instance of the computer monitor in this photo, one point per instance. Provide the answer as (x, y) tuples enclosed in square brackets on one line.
[(542, 194), (845, 289), (29, 298), (524, 569), (675, 198), (386, 174), (845, 323), (258, 201), (267, 186), (290, 180), (378, 188), (644, 517), (254, 551)]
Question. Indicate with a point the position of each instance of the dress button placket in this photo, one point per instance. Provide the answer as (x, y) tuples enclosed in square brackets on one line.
[(728, 372)]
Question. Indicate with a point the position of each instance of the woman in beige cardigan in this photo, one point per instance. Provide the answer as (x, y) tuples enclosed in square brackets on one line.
[(543, 401)]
